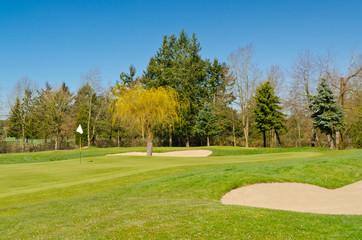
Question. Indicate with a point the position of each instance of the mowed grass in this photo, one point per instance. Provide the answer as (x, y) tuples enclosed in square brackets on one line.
[(50, 195)]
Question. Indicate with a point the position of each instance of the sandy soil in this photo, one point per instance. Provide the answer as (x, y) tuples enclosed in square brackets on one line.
[(186, 153), (299, 197)]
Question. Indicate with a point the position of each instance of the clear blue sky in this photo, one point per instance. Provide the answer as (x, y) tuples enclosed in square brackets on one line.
[(56, 41)]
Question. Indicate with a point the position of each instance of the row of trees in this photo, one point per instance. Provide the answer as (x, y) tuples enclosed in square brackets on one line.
[(196, 101)]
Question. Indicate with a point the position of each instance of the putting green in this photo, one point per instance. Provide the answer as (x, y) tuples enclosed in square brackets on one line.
[(132, 197), (34, 177)]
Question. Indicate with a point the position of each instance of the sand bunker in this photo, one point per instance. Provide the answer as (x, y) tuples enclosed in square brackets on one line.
[(299, 197), (186, 153)]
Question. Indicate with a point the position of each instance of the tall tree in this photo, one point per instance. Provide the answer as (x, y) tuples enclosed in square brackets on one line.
[(22, 108), (206, 125), (178, 64), (42, 113), (246, 77), (327, 113), (304, 76), (15, 127), (267, 113), (344, 82), (54, 111), (86, 103), (149, 107), (128, 79)]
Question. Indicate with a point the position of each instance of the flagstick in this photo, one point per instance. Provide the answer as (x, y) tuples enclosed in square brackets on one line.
[(80, 150), (80, 130)]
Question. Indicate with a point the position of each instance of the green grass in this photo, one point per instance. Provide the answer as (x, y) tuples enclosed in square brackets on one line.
[(50, 195)]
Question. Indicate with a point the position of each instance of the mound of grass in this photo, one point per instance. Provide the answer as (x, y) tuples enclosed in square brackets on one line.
[(228, 151), (124, 197)]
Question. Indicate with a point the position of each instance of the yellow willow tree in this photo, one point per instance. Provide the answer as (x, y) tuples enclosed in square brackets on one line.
[(147, 107)]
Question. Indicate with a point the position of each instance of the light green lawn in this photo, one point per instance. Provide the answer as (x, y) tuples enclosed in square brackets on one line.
[(51, 195)]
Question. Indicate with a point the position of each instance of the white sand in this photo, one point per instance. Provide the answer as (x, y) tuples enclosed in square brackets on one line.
[(186, 153), (299, 197)]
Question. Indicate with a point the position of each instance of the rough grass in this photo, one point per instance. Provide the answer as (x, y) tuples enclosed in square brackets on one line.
[(168, 198)]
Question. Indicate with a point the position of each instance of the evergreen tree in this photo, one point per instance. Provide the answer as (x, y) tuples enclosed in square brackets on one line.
[(21, 115), (128, 79), (206, 125), (53, 108), (88, 108), (14, 120), (267, 113), (327, 114), (178, 64), (42, 113)]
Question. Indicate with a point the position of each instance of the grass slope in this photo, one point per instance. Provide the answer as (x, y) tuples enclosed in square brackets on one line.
[(124, 197)]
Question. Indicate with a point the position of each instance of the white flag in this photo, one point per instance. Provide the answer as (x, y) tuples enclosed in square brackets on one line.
[(79, 129)]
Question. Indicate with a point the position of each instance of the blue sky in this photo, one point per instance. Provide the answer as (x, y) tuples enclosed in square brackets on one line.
[(57, 41)]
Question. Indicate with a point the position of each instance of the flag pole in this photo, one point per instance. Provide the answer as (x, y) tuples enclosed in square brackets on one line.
[(80, 131)]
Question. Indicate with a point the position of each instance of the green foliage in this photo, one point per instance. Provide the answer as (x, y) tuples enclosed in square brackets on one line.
[(206, 124), (267, 113), (147, 107), (327, 114), (89, 108), (128, 79), (15, 120), (22, 122), (178, 64), (53, 112)]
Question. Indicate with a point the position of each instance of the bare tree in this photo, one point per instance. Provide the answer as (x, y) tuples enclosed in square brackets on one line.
[(343, 82), (92, 78), (276, 77), (304, 76), (246, 77)]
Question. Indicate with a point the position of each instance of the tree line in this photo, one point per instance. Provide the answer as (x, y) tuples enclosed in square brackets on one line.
[(182, 99)]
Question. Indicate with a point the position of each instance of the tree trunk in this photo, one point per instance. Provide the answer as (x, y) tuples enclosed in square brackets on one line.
[(118, 138), (187, 142), (56, 143), (110, 137), (272, 139), (170, 140), (299, 135), (314, 137), (234, 138), (88, 125), (264, 137), (94, 130), (330, 141), (23, 132), (208, 141), (339, 139), (278, 139), (149, 142), (246, 132)]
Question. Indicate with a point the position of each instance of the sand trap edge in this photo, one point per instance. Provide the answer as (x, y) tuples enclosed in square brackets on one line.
[(184, 153)]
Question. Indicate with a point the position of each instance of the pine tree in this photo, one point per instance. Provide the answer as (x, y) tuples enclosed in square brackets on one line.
[(206, 122), (21, 115), (14, 120), (327, 114), (178, 64), (267, 113)]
